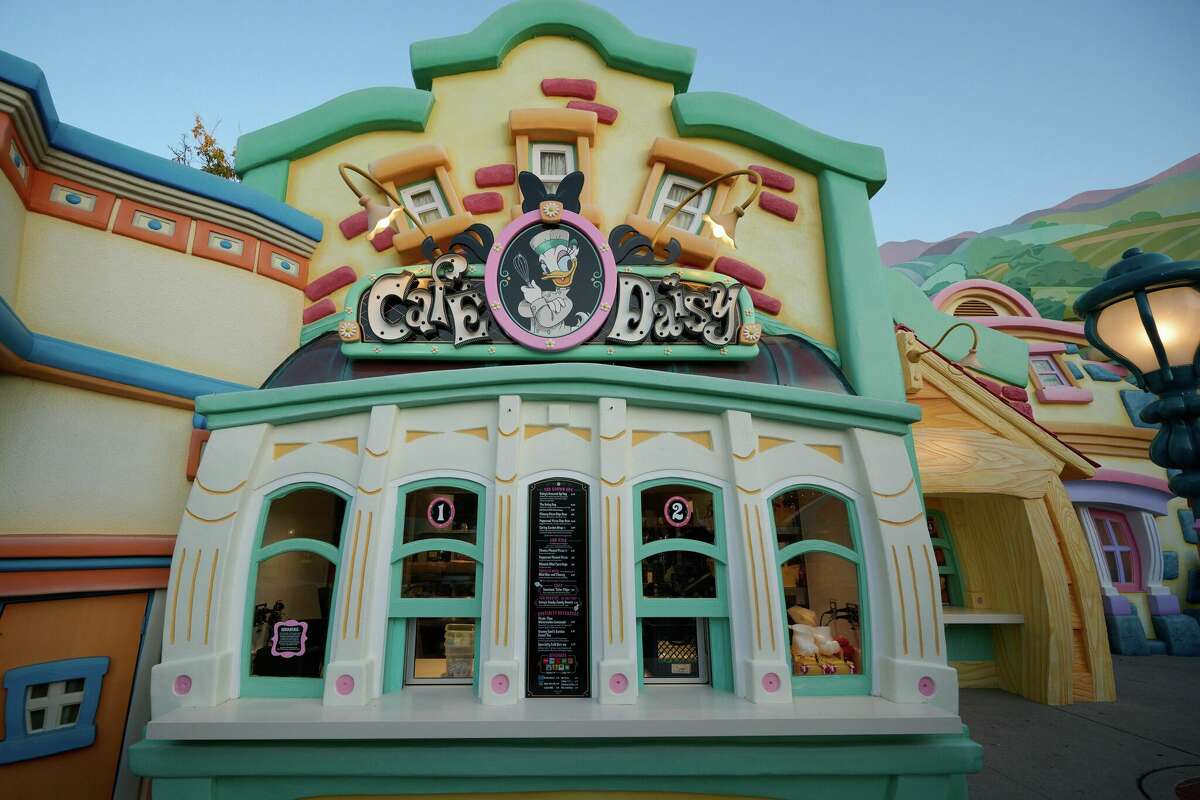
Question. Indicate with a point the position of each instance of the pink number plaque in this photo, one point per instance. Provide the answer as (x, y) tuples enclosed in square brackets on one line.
[(440, 512), (677, 511)]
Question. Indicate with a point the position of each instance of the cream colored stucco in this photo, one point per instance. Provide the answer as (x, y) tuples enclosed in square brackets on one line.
[(75, 461), (470, 118), (12, 225), (122, 295)]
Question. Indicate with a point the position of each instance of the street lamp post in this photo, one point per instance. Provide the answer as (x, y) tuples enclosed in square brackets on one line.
[(1145, 314)]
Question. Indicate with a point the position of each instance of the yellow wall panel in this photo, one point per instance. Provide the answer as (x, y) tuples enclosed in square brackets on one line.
[(12, 223)]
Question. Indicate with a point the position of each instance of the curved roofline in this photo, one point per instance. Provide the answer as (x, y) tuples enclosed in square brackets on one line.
[(381, 108), (485, 47), (1007, 292), (26, 75), (733, 118)]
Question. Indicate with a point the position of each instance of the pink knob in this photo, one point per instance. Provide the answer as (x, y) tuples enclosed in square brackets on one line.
[(183, 684), (771, 682), (344, 684), (926, 686), (618, 683), (500, 684)]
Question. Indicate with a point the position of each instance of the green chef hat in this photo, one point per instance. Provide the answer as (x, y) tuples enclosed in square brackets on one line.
[(547, 240)]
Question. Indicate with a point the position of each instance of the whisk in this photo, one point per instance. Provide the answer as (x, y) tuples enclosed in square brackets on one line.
[(522, 267)]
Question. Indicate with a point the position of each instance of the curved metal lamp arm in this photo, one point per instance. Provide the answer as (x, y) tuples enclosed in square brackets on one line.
[(915, 356), (755, 180), (362, 198)]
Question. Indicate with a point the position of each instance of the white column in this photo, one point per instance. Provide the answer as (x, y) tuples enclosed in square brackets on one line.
[(500, 680), (618, 678)]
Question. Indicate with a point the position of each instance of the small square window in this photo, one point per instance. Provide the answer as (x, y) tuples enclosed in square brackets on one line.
[(440, 650), (551, 163), (425, 201), (675, 650), (51, 707), (1047, 371), (673, 191)]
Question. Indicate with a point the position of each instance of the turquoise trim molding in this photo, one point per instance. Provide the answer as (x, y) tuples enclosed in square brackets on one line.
[(586, 382), (314, 329), (270, 179), (893, 767), (485, 47), (261, 686), (773, 327), (1001, 356), (61, 564), (61, 136), (732, 118), (382, 108), (38, 348), (865, 336), (21, 745)]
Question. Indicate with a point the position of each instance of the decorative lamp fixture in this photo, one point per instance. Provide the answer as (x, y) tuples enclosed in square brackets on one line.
[(1145, 314), (971, 359), (380, 217), (723, 224)]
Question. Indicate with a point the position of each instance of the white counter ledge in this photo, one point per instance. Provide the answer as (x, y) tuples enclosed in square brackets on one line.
[(430, 712), (980, 616)]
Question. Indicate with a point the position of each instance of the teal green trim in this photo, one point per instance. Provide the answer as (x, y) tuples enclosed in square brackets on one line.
[(259, 686), (820, 685), (946, 544), (816, 546), (450, 545), (732, 118), (1001, 356), (720, 654), (323, 549), (865, 336), (773, 327), (899, 767), (684, 606), (688, 545), (402, 608), (314, 329), (969, 643), (270, 179), (382, 108), (485, 47), (584, 382)]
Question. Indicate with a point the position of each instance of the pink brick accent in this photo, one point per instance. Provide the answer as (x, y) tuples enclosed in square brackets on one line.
[(483, 202), (764, 301), (1014, 393), (354, 225), (607, 115), (778, 206), (989, 384), (740, 271), (774, 179), (1024, 408), (384, 240), (569, 87), (330, 282), (496, 175), (319, 310)]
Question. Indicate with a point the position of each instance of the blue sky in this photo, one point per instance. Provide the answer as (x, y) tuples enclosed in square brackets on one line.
[(985, 110)]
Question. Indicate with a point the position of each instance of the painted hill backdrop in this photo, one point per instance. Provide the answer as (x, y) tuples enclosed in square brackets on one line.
[(1054, 254)]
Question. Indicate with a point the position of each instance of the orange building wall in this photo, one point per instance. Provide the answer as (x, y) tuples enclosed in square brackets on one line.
[(50, 630)]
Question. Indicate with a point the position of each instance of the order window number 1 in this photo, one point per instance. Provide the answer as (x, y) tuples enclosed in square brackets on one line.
[(440, 512)]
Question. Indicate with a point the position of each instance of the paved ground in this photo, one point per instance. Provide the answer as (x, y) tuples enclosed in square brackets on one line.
[(1092, 750)]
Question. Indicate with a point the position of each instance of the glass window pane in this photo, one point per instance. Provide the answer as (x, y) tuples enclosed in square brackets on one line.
[(945, 588), (39, 690), (679, 574), (676, 192), (683, 220), (441, 512), (438, 573), (291, 586), (808, 514), (1115, 568), (553, 163), (674, 650), (75, 685), (678, 511), (37, 719), (1051, 380), (1127, 566), (423, 198), (939, 555), (68, 714), (821, 594), (305, 514), (430, 215), (443, 650)]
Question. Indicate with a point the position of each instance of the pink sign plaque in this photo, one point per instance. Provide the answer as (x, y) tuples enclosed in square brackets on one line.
[(289, 638), (440, 512)]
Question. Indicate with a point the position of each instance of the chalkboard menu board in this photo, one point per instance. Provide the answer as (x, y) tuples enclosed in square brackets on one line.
[(557, 662)]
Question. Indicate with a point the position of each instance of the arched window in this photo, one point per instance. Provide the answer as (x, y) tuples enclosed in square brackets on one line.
[(293, 573), (683, 616), (949, 577), (820, 563), (437, 578), (1119, 550)]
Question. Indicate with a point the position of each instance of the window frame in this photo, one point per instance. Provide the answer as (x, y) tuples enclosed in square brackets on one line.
[(19, 743), (537, 148), (714, 609), (407, 191), (659, 208), (943, 542), (1111, 544), (1055, 369), (397, 659), (825, 685), (291, 686)]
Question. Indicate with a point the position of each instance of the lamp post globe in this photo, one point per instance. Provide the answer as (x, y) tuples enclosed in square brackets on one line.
[(1145, 314)]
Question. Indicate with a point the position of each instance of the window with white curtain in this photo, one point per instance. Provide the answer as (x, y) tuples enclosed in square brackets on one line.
[(425, 201), (673, 191), (551, 163)]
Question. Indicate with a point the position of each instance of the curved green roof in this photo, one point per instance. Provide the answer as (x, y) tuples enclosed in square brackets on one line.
[(383, 108), (732, 118), (486, 46)]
